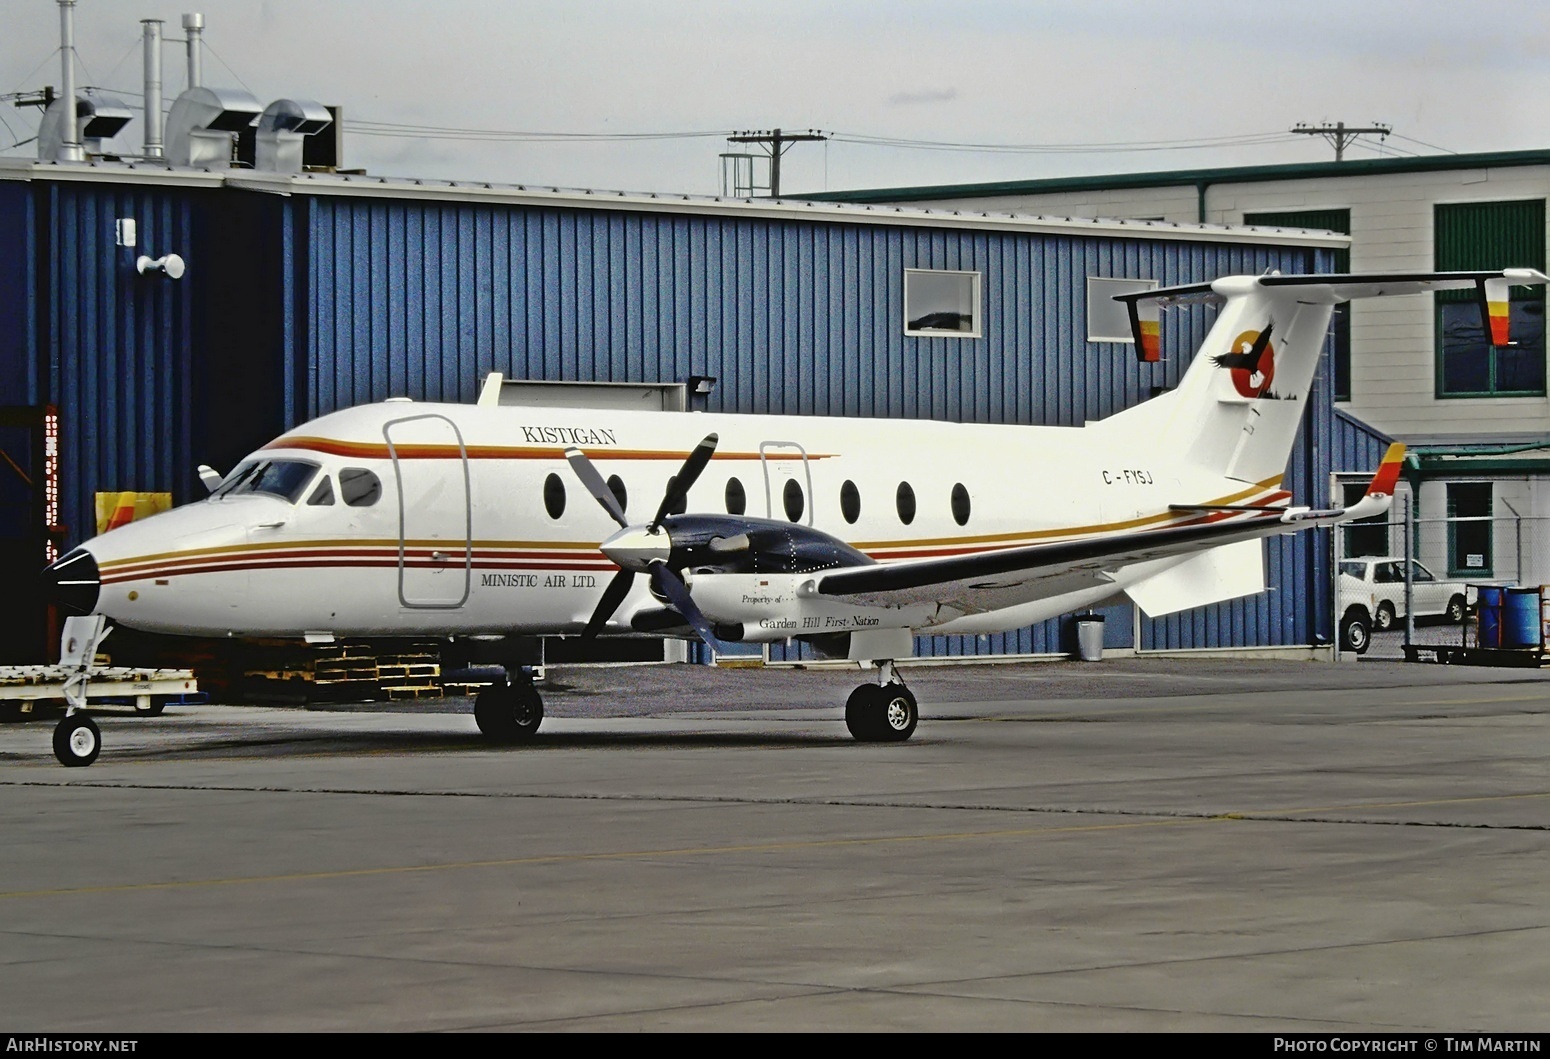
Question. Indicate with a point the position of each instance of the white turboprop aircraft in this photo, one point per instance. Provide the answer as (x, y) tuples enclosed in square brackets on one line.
[(412, 519)]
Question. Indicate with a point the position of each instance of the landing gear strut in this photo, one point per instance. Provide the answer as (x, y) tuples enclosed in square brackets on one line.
[(884, 712), (509, 713)]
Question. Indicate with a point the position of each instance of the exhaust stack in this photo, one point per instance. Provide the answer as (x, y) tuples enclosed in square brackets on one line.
[(153, 116)]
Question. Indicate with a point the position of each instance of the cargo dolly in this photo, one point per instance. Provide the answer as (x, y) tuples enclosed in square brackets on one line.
[(77, 680)]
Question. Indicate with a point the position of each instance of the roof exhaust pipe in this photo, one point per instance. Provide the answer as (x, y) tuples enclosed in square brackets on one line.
[(153, 115), (70, 143), (193, 28)]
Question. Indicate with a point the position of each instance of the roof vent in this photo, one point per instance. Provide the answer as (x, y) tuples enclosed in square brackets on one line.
[(96, 119), (204, 123), (283, 129)]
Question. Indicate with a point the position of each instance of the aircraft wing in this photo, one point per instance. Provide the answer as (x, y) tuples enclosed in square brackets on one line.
[(995, 579)]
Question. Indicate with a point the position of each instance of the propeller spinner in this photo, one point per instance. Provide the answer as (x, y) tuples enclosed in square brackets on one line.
[(645, 549)]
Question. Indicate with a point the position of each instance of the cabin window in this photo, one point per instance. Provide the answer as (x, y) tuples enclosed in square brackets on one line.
[(960, 504), (850, 502), (941, 304), (905, 500), (359, 487), (792, 497), (554, 496), (737, 499), (323, 495), (621, 494), (282, 478)]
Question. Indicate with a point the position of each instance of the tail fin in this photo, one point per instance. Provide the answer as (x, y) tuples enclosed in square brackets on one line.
[(1237, 409)]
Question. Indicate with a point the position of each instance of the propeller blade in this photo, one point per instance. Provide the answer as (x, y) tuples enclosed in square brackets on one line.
[(678, 486), (677, 594), (595, 485), (613, 595)]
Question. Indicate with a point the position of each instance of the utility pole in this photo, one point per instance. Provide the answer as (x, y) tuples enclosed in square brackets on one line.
[(1338, 135), (775, 144)]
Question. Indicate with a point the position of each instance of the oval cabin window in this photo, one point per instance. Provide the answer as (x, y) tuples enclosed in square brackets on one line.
[(737, 500), (850, 502), (906, 503), (621, 494), (793, 499), (554, 496), (960, 504)]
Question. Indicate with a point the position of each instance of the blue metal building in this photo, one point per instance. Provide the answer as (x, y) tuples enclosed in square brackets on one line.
[(308, 293)]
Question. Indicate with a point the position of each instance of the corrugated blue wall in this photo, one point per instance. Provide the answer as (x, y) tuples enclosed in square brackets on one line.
[(424, 299), (117, 346)]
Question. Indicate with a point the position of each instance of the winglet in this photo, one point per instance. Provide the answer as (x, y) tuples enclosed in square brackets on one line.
[(1388, 471), (1380, 492)]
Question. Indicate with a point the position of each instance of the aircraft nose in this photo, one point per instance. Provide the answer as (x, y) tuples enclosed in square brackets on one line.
[(73, 582)]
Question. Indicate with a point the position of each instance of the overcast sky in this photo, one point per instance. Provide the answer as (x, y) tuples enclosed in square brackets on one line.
[(1448, 76)]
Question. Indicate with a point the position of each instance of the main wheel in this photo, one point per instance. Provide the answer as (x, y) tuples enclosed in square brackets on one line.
[(509, 713), (1355, 636), (899, 713), (1383, 620), (77, 742), (1456, 610), (864, 713)]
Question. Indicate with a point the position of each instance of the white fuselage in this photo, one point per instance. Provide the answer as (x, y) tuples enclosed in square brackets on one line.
[(478, 526)]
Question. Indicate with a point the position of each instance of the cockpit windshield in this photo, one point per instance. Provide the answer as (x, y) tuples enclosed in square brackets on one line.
[(283, 478)]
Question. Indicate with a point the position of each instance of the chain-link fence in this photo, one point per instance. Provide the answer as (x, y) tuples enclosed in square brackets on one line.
[(1418, 581)]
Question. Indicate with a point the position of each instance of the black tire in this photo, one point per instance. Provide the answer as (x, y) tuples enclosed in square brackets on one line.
[(1355, 635), (1457, 609), (863, 713), (509, 713), (1383, 620), (77, 741), (899, 713)]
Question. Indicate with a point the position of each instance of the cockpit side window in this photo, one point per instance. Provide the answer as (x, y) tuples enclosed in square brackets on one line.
[(323, 495), (359, 487), (282, 478)]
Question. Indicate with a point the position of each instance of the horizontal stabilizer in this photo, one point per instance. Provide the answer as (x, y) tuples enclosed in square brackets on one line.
[(1213, 576)]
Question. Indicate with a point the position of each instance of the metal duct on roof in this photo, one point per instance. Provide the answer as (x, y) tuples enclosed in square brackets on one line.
[(282, 130), (204, 123), (96, 119)]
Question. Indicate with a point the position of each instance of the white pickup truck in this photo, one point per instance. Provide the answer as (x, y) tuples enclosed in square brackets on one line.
[(1371, 597)]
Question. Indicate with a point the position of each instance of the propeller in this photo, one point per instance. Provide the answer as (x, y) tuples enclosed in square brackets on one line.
[(638, 550)]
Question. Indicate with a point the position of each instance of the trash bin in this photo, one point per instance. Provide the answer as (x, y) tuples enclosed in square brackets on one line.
[(1089, 637), (1520, 618)]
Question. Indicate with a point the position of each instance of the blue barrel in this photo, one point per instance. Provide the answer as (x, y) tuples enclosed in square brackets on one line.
[(1490, 610), (1520, 618)]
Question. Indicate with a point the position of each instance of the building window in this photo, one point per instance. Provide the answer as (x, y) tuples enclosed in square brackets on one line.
[(1364, 536), (941, 304), (1490, 235), (1469, 529), (1326, 221), (1107, 319)]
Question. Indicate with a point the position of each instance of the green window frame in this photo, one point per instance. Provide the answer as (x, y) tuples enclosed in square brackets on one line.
[(1489, 235), (1328, 221), (1470, 551)]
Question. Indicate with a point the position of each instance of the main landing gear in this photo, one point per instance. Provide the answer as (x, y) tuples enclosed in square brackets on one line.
[(884, 712), (509, 713)]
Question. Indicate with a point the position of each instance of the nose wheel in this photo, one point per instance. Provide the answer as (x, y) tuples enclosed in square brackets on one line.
[(77, 741)]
